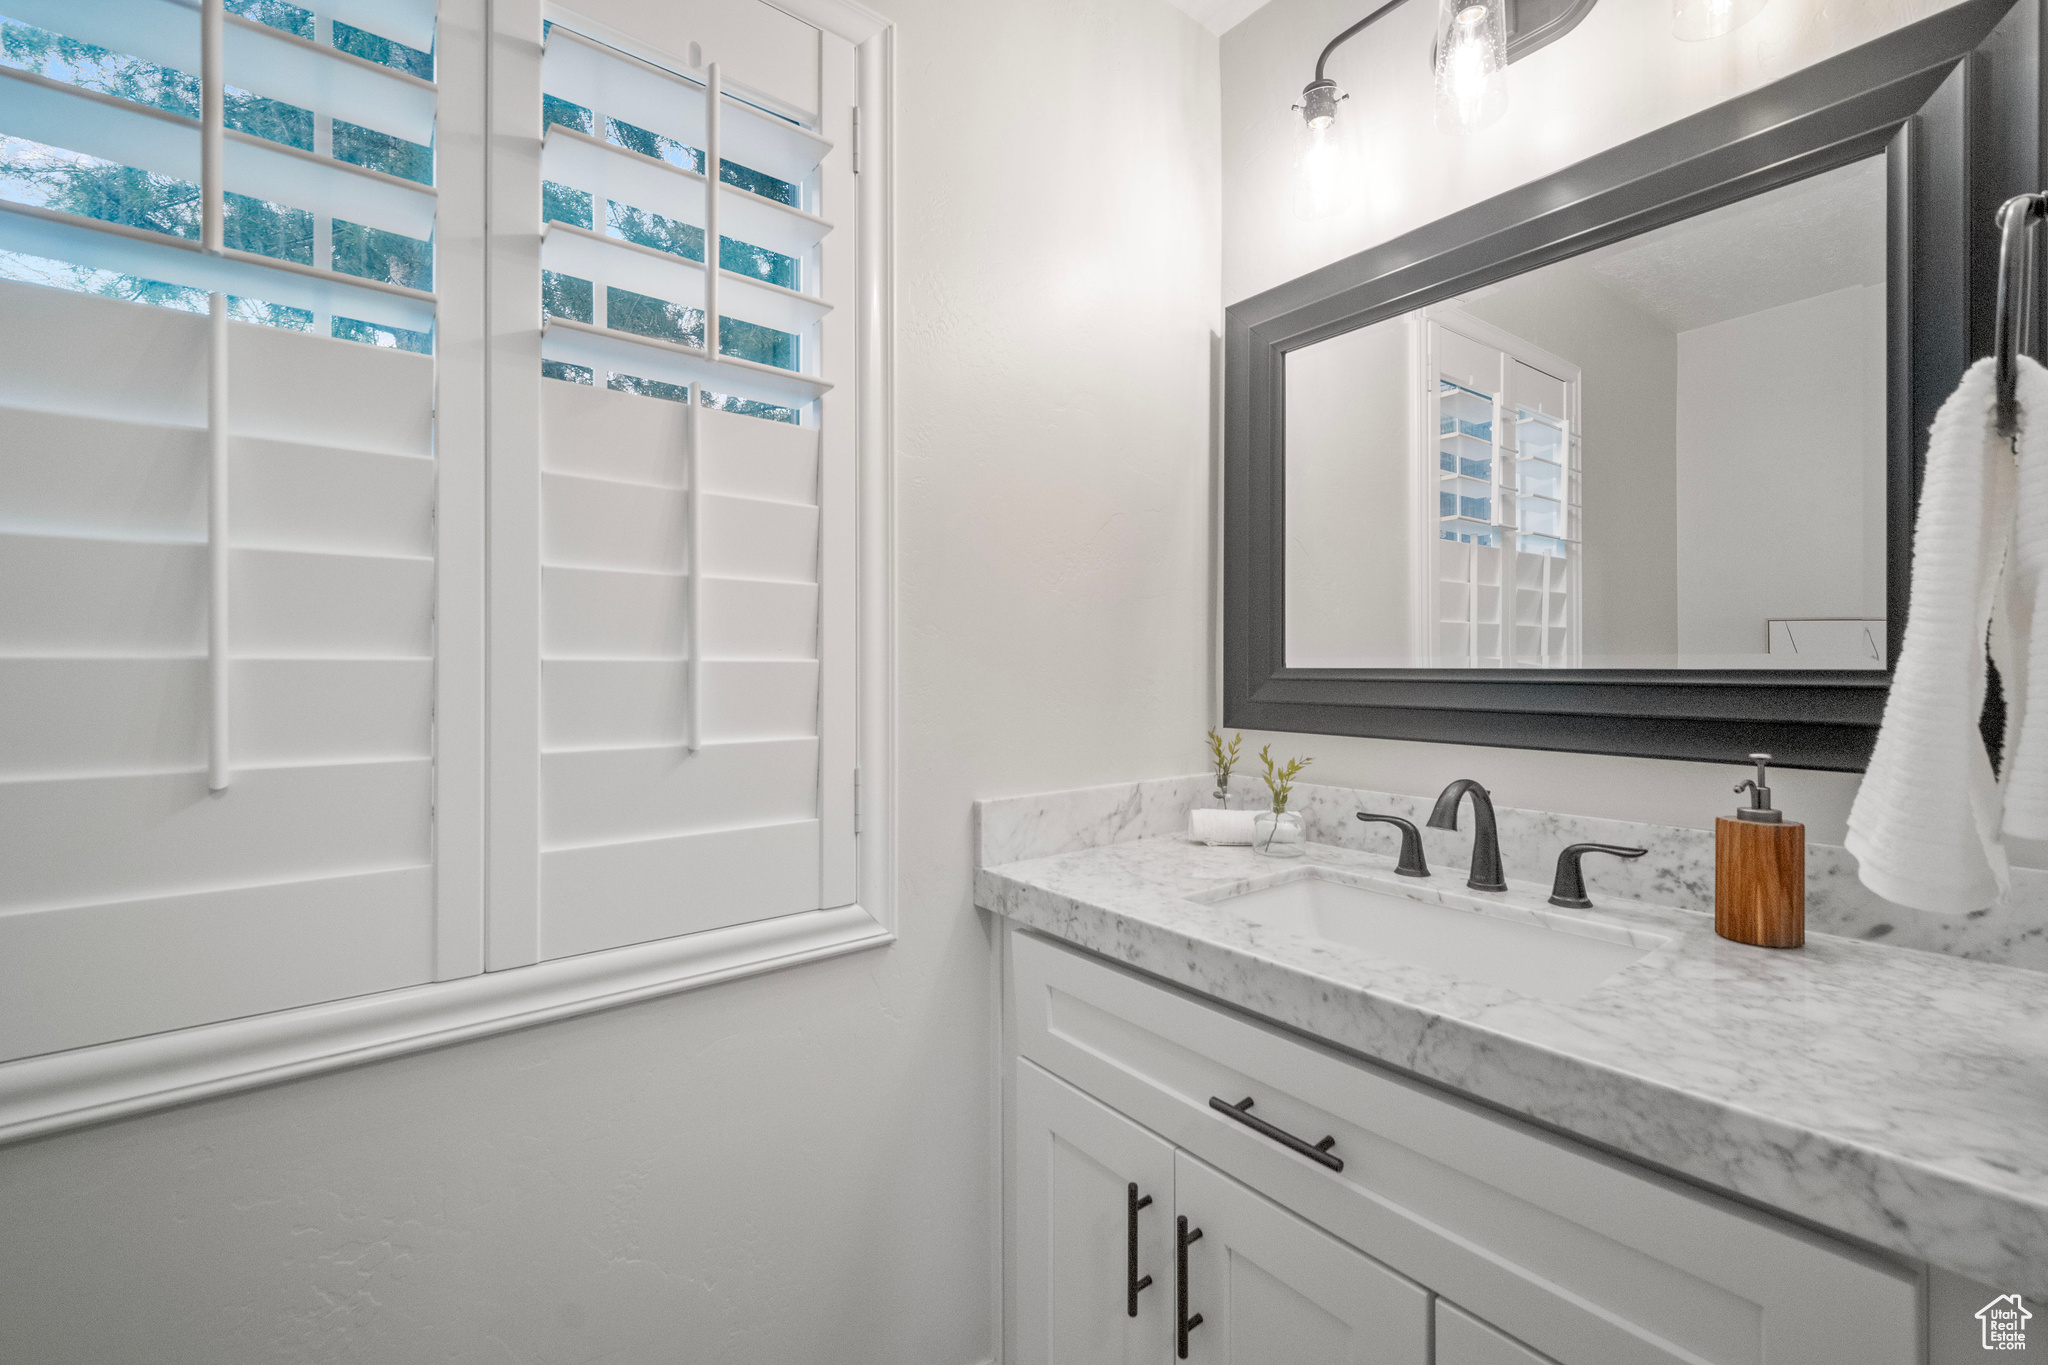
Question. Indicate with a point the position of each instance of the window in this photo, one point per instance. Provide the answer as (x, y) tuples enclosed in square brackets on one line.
[(217, 650), (695, 691), (295, 704), (1500, 458)]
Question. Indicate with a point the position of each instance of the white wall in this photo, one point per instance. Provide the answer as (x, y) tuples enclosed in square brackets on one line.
[(1618, 75), (798, 1167), (1350, 492), (1781, 469)]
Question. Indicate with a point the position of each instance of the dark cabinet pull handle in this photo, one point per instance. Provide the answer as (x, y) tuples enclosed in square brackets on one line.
[(1241, 1111), (1132, 1284), (1183, 1239)]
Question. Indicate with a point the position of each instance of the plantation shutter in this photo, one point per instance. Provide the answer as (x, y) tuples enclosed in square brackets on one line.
[(218, 516), (692, 571)]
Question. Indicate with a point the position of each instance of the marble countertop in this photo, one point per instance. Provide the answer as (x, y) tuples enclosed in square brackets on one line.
[(1896, 1096)]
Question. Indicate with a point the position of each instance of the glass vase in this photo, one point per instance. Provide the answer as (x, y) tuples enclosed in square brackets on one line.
[(1279, 835)]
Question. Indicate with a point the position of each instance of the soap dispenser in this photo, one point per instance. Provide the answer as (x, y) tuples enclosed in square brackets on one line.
[(1760, 870)]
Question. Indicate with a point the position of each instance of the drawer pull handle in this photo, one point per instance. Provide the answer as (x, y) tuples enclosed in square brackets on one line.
[(1183, 1239), (1241, 1111), (1132, 1284)]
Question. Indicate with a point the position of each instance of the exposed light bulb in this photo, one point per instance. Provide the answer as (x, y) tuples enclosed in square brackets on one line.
[(1695, 20), (1471, 64), (1325, 172)]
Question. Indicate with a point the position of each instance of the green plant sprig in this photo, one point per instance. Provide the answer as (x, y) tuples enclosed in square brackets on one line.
[(1223, 760), (1280, 780)]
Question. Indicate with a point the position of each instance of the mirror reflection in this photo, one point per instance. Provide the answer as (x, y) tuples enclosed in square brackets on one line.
[(1665, 453)]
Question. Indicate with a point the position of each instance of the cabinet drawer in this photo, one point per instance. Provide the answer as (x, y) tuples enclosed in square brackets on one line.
[(1585, 1258), (1462, 1339)]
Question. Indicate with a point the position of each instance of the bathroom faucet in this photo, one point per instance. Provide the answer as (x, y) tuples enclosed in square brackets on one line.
[(1411, 863), (1486, 869), (1568, 888)]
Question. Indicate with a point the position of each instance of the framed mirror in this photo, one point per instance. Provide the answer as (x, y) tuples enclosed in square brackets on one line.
[(1624, 461)]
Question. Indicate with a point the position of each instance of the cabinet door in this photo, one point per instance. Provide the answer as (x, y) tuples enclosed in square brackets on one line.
[(1076, 1163), (1274, 1290), (1462, 1339)]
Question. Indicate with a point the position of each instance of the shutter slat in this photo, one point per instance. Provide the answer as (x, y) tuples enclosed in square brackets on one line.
[(150, 367), (150, 363), (767, 541), (406, 21), (100, 717), (607, 704), (599, 524), (171, 260), (615, 894), (307, 497), (590, 255), (147, 481), (748, 217), (613, 172), (607, 352), (584, 72), (581, 161), (324, 606), (609, 614), (606, 434), (606, 795), (259, 59), (165, 834), (92, 974), (603, 524), (79, 120), (73, 475), (74, 595)]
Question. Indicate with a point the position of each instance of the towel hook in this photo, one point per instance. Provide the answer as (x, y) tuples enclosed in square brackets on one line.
[(2013, 330)]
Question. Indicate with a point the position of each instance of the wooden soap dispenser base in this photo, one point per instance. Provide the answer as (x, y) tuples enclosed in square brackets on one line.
[(1760, 871)]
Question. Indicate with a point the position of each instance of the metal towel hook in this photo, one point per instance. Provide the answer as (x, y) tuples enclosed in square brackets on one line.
[(2014, 330)]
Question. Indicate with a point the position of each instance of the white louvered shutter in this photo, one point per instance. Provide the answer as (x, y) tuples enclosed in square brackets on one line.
[(134, 898), (694, 711)]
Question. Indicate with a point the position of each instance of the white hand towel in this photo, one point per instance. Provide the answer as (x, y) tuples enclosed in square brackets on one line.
[(1220, 826), (1927, 823)]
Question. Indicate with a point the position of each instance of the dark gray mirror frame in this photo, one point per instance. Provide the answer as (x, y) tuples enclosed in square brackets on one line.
[(1954, 102)]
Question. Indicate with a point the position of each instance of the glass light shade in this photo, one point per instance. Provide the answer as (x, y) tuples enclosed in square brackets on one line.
[(1472, 63), (1696, 20), (1325, 165)]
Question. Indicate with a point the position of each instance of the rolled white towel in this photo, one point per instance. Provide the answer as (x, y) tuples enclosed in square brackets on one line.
[(1220, 826)]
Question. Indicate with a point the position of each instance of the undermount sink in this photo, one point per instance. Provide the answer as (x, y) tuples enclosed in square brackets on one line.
[(1539, 953)]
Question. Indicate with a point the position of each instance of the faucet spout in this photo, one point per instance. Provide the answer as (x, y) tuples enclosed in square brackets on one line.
[(1487, 874)]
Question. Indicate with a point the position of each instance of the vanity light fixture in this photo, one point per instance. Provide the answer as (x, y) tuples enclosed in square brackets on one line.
[(1470, 61), (1323, 173), (1695, 20)]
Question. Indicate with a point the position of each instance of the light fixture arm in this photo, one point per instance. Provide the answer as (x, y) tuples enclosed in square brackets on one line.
[(1348, 34)]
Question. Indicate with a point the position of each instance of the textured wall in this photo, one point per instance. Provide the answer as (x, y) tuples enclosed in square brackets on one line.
[(798, 1167)]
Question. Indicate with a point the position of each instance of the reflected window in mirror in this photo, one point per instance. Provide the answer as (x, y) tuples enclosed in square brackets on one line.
[(1666, 453)]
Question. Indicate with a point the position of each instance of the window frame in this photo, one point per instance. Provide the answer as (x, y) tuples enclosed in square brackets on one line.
[(478, 48)]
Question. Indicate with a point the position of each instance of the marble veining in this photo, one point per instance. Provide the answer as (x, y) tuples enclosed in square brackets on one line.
[(1897, 1097), (1011, 828), (1678, 871)]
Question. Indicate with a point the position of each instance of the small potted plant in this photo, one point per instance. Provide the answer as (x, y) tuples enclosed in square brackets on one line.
[(1279, 832), (1223, 760)]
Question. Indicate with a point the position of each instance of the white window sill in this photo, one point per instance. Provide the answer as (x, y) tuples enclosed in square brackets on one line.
[(61, 1091)]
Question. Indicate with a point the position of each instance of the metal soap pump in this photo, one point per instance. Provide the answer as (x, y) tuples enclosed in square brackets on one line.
[(1760, 870)]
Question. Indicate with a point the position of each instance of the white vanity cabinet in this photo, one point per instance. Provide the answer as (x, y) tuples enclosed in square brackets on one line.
[(1451, 1232), (1100, 1211)]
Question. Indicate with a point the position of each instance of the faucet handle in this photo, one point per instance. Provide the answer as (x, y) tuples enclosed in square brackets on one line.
[(1411, 863), (1568, 889)]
